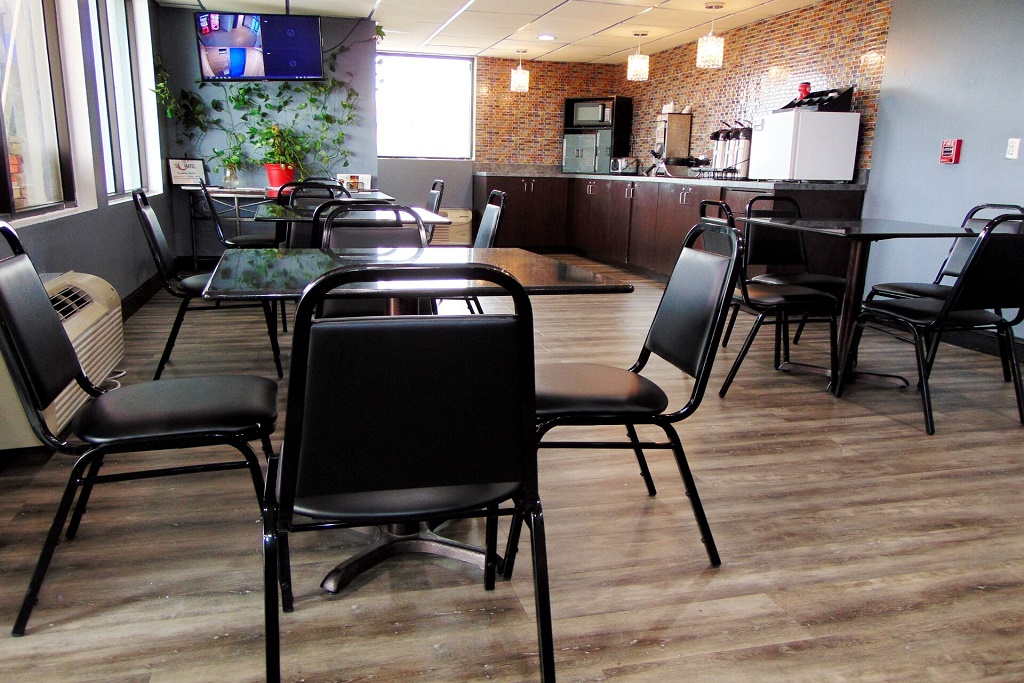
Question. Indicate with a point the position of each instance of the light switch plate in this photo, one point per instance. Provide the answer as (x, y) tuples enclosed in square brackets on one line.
[(1013, 148)]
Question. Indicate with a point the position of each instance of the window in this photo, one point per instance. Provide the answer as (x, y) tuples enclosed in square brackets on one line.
[(424, 106), (37, 172), (114, 83)]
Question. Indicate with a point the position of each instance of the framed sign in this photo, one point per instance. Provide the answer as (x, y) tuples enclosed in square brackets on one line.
[(187, 171)]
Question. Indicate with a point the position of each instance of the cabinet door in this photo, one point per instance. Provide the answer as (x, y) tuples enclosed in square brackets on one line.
[(609, 219), (547, 201), (678, 212), (581, 231), (643, 223)]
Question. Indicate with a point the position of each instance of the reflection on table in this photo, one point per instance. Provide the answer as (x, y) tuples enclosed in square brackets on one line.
[(252, 274)]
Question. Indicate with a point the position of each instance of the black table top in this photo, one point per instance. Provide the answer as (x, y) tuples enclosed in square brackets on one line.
[(252, 274), (867, 229), (289, 214)]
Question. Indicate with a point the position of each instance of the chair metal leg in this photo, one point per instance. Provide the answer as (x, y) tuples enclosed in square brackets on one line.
[(921, 354), (271, 317), (800, 329), (1018, 385), (849, 361), (732, 321), (512, 544), (645, 471), (542, 595), (741, 355), (491, 548), (271, 617), (85, 490), (284, 568), (50, 544), (178, 319), (691, 493)]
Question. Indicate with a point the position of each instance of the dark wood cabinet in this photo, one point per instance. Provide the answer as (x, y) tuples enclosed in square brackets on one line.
[(535, 209), (678, 211), (643, 225), (600, 218)]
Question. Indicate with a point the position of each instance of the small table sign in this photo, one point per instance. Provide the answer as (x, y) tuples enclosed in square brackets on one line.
[(187, 171)]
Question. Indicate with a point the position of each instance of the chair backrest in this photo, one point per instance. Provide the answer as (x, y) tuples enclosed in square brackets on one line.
[(773, 246), (343, 229), (991, 277), (490, 221), (689, 321), (159, 248), (714, 241), (433, 204), (973, 225), (211, 209), (39, 354), (324, 188), (363, 414)]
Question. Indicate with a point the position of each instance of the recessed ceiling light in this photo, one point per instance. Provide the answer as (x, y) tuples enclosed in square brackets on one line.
[(545, 36)]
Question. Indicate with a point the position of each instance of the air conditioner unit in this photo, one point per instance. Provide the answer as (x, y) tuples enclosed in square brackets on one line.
[(460, 232), (90, 311)]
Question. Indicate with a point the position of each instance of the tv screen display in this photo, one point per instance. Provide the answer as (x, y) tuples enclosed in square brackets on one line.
[(258, 47)]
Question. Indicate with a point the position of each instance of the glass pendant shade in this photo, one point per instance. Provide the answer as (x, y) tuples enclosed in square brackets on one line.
[(638, 67), (520, 77), (710, 49)]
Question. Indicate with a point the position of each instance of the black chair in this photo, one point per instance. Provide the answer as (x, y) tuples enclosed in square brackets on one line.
[(989, 279), (170, 414), (336, 228), (189, 289), (780, 301), (433, 204), (685, 332), (307, 194), (954, 262), (385, 450), (237, 241), (486, 237), (782, 250)]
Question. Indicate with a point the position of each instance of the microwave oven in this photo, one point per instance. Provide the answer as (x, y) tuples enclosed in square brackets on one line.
[(592, 113)]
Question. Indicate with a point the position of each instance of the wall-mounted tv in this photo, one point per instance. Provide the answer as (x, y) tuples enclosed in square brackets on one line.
[(258, 47)]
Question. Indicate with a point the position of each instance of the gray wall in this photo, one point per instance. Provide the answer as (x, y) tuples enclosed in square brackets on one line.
[(408, 180), (952, 71)]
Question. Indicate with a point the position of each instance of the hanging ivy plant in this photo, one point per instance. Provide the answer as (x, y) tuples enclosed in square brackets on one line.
[(301, 124)]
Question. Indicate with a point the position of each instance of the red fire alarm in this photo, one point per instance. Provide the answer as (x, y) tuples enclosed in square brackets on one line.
[(950, 152)]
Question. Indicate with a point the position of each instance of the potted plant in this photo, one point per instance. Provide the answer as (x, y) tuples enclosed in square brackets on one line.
[(283, 148)]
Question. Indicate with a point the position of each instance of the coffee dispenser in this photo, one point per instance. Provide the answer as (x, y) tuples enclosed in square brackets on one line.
[(672, 133)]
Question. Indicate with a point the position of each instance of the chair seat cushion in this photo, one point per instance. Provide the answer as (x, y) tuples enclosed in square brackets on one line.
[(252, 241), (906, 290), (924, 311), (593, 389), (762, 294), (228, 404), (193, 284), (418, 504), (830, 284)]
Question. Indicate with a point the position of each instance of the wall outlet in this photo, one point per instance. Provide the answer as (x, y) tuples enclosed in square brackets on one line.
[(1013, 148)]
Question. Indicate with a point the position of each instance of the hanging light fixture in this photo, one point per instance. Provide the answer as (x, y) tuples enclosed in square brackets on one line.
[(520, 76), (711, 48), (638, 65)]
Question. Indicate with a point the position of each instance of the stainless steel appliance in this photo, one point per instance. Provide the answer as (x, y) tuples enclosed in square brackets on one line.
[(794, 144), (592, 113), (672, 132)]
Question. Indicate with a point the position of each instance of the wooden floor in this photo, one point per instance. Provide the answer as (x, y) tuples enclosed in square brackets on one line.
[(855, 547)]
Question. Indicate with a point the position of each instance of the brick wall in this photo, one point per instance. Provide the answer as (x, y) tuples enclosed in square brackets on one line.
[(832, 44)]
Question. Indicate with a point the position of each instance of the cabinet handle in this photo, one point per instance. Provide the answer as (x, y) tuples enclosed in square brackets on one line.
[(531, 185), (523, 181), (684, 197)]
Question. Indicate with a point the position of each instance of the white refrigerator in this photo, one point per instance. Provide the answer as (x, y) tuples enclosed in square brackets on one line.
[(804, 145)]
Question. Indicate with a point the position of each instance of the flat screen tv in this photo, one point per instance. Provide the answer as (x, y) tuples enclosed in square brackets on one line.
[(258, 47)]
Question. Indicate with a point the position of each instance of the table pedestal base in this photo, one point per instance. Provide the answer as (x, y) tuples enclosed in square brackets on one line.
[(398, 539)]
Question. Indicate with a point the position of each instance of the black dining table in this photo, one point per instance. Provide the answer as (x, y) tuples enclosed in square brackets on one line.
[(260, 274), (861, 233), (283, 216)]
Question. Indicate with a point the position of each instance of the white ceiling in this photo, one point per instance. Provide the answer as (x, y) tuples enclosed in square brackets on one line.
[(596, 31)]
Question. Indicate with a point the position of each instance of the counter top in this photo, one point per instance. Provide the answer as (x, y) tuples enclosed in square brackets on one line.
[(766, 185)]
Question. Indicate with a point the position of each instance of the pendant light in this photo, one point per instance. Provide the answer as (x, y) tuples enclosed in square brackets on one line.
[(711, 48), (520, 76), (638, 65)]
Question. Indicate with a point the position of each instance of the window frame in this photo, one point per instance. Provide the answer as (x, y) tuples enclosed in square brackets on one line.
[(472, 62)]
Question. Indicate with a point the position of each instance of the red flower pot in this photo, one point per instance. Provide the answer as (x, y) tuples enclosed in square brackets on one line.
[(278, 175)]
